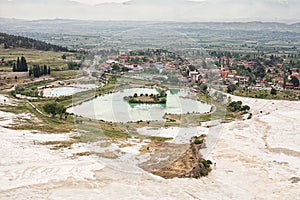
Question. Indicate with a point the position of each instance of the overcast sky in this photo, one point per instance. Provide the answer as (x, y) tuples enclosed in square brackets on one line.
[(94, 2), (161, 10)]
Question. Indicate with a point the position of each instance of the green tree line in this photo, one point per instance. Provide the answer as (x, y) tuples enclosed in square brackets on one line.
[(38, 71), (21, 65), (27, 43)]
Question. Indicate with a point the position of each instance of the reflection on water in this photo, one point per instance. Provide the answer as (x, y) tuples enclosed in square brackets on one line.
[(113, 107), (139, 105)]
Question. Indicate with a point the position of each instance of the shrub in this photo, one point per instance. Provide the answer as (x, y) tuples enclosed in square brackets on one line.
[(198, 141), (245, 108), (237, 106), (163, 100), (206, 163)]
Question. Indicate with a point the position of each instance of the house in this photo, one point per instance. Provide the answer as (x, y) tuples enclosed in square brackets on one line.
[(242, 79), (110, 62), (224, 74), (289, 85), (278, 80), (195, 76)]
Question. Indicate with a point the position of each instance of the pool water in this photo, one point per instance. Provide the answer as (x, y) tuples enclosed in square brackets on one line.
[(113, 108), (62, 92)]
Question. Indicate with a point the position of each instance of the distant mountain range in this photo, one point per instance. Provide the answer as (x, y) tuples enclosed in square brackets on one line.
[(32, 28), (158, 10), (150, 34)]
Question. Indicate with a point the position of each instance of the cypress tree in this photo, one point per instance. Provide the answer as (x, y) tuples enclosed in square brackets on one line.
[(45, 70), (14, 67), (36, 71), (25, 67), (22, 64), (18, 65)]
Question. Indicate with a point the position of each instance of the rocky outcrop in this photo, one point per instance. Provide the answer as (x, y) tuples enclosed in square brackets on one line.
[(188, 164)]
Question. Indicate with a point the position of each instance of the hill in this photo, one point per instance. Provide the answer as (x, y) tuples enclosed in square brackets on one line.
[(28, 43)]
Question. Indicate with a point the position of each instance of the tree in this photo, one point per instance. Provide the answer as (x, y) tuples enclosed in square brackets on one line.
[(116, 67), (19, 88), (231, 88), (14, 67), (45, 70), (125, 69), (163, 100), (295, 81), (54, 108), (259, 71), (273, 91), (203, 87), (235, 106), (66, 116), (284, 81), (162, 93), (36, 71), (73, 66), (50, 108), (245, 108), (27, 43), (24, 67), (60, 109), (145, 59), (192, 68), (21, 65), (18, 65)]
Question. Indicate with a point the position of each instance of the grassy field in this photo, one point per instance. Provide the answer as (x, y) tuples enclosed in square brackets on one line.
[(44, 123), (49, 58), (290, 95), (65, 74)]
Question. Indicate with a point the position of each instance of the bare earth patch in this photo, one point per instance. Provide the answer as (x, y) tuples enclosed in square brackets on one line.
[(170, 161)]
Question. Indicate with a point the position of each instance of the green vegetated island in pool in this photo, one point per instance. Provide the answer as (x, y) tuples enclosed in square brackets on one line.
[(115, 107), (160, 98)]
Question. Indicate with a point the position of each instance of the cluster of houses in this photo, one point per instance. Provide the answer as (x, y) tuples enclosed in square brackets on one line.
[(116, 64), (274, 75), (224, 74), (122, 64)]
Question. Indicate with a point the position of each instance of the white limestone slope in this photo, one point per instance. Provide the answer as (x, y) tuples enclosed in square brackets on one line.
[(255, 159)]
